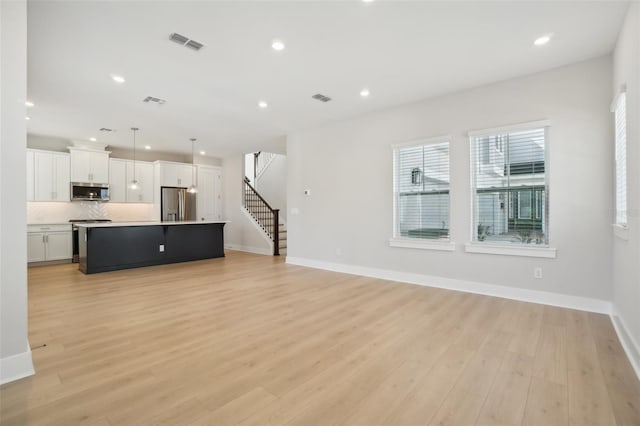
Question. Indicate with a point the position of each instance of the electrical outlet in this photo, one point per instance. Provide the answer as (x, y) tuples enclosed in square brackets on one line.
[(161, 248), (537, 272), (307, 192)]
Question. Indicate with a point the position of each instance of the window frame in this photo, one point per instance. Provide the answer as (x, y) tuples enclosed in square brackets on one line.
[(615, 104), (396, 239), (503, 247)]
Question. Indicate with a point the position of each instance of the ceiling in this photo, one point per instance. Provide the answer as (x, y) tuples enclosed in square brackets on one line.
[(401, 51)]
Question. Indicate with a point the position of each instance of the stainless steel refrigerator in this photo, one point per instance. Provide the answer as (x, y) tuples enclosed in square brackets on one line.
[(177, 204)]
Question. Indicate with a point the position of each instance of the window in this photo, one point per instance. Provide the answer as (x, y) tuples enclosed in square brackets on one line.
[(620, 111), (421, 190), (510, 186)]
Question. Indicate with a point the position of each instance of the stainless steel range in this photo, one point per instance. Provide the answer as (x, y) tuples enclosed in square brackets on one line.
[(74, 227)]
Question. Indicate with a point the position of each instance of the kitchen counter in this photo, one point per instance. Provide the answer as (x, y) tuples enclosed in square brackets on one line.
[(121, 224), (111, 246)]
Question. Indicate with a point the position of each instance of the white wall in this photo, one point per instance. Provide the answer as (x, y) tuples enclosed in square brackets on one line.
[(347, 166), (626, 254), (240, 233), (272, 184), (15, 355)]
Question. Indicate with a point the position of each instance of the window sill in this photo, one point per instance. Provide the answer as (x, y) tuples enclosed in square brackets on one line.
[(488, 248), (416, 243), (621, 232)]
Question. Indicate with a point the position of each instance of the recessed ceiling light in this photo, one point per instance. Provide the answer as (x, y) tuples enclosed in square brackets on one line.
[(147, 147), (29, 104), (202, 153), (263, 104), (93, 139), (364, 93), (541, 41), (277, 45), (367, 1), (117, 78), (27, 118)]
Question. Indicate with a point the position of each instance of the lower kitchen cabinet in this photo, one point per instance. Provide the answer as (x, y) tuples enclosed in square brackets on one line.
[(49, 242)]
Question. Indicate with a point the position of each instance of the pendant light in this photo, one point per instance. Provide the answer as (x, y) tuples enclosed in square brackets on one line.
[(134, 183), (193, 188)]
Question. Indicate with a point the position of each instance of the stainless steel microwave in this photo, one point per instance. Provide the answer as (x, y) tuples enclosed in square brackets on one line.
[(81, 191)]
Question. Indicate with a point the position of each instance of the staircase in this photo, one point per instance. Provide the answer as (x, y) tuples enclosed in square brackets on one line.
[(267, 218)]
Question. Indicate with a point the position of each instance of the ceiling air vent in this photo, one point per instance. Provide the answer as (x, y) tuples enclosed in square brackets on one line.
[(154, 100), (104, 129), (186, 41), (321, 97)]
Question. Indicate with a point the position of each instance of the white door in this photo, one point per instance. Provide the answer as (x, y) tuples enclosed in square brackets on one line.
[(99, 167), (81, 166), (30, 175), (59, 245), (118, 181), (43, 174), (61, 182), (35, 247)]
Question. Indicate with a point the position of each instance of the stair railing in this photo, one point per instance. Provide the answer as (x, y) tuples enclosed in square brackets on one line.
[(261, 161), (267, 217)]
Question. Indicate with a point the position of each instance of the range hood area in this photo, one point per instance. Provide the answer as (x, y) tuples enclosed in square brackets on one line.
[(84, 191)]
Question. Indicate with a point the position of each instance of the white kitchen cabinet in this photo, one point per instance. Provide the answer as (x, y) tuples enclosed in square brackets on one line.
[(50, 176), (144, 176), (31, 169), (117, 180), (89, 166), (36, 247), (175, 174), (49, 242), (209, 197), (120, 177)]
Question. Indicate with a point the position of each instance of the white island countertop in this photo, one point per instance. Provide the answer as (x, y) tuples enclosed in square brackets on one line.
[(124, 224)]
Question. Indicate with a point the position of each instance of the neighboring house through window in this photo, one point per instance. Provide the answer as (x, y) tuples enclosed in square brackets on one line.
[(421, 190), (510, 188)]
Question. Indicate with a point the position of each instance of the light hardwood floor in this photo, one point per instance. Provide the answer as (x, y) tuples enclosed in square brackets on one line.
[(250, 340)]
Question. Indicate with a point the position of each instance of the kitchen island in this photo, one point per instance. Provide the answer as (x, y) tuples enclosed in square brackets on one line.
[(111, 246)]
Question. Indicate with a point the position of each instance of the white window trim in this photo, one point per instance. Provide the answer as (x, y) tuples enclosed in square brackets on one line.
[(544, 251), (511, 128), (621, 231), (419, 243), (505, 250), (423, 244)]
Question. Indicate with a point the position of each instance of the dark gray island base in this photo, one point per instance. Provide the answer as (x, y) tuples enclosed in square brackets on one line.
[(115, 246)]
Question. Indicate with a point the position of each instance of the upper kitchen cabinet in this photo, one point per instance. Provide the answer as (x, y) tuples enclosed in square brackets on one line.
[(48, 175), (175, 174), (31, 175), (144, 176), (90, 166), (120, 177), (117, 180), (209, 197)]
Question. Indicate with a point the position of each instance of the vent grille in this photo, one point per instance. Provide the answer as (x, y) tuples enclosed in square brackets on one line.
[(321, 97), (186, 41), (104, 129), (154, 100)]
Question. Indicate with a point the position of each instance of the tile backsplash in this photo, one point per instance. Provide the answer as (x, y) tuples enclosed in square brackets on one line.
[(55, 212)]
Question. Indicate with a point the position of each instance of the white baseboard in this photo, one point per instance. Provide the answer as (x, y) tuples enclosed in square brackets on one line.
[(514, 293), (16, 367), (629, 344), (255, 250)]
